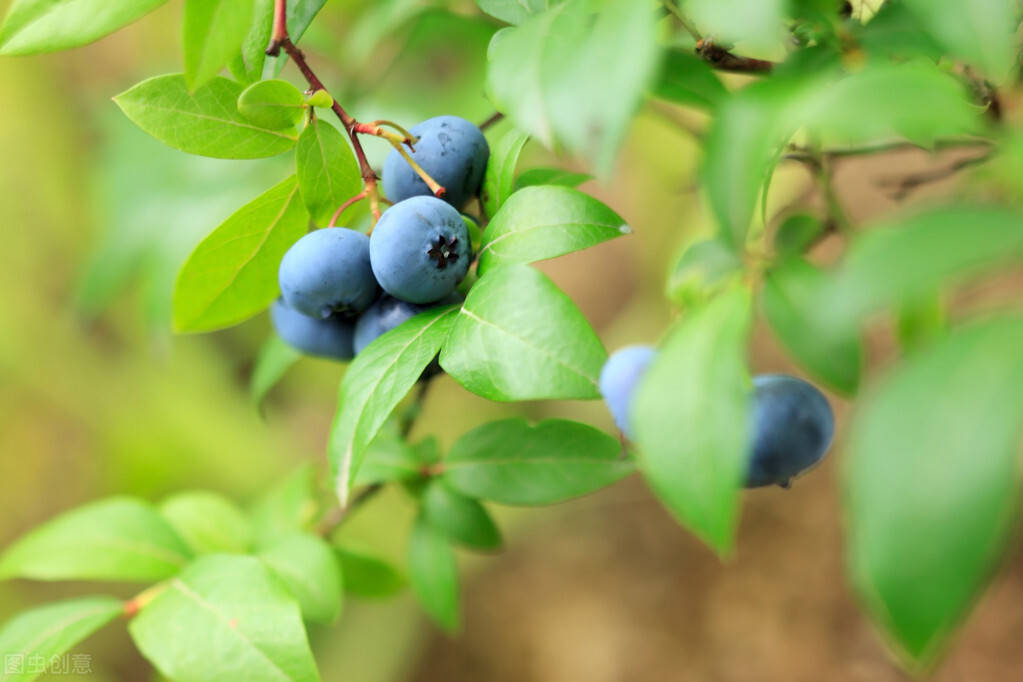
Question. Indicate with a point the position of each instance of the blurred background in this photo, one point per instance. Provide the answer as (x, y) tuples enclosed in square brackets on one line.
[(97, 397)]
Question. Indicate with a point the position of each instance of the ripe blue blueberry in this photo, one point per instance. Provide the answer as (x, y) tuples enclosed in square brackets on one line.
[(329, 338), (386, 314), (420, 250), (381, 317), (327, 272), (792, 429), (451, 150), (619, 378)]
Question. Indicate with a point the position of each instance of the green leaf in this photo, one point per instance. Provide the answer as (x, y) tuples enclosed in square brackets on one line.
[(119, 538), (461, 518), (433, 573), (550, 176), (757, 23), (706, 267), (212, 33), (207, 522), (511, 462), (797, 233), (544, 222), (368, 576), (883, 102), (225, 618), (932, 482), (308, 568), (247, 66), (205, 122), (748, 131), (876, 104), (273, 104), (389, 458), (499, 180), (33, 26), (327, 171), (232, 274), (690, 416), (380, 20), (288, 507), (563, 78), (918, 255), (920, 321), (376, 381), (793, 304), (515, 11), (47, 632), (687, 79), (427, 451), (895, 33), (980, 32), (275, 358), (518, 337)]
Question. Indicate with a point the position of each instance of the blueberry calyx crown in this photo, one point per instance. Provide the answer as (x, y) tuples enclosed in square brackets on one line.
[(444, 251)]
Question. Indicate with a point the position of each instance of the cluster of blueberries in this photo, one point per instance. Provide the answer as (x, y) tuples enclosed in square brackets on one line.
[(792, 422), (341, 289)]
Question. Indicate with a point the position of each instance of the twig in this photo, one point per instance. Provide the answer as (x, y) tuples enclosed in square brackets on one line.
[(716, 55), (906, 185), (340, 209), (336, 517), (281, 41), (837, 218), (985, 93), (725, 60), (408, 417), (821, 164), (810, 156), (683, 20), (492, 120)]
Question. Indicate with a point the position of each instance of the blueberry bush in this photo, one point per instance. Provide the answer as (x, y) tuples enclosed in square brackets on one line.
[(423, 266)]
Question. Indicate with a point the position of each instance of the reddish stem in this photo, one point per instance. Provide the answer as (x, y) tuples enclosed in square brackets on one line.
[(281, 40), (341, 209)]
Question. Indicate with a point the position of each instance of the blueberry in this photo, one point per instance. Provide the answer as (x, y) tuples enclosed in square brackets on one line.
[(451, 150), (328, 338), (792, 429), (420, 250), (386, 314), (619, 378), (327, 272), (383, 316)]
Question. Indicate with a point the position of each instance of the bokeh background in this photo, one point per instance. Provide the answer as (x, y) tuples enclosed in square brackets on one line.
[(97, 397)]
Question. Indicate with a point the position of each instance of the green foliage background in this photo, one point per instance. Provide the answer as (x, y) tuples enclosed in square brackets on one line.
[(97, 218)]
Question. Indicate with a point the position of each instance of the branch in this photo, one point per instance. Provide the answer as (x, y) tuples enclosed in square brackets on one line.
[(338, 515), (906, 185), (725, 60), (715, 55), (683, 20), (821, 164), (280, 40), (811, 156), (491, 121)]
